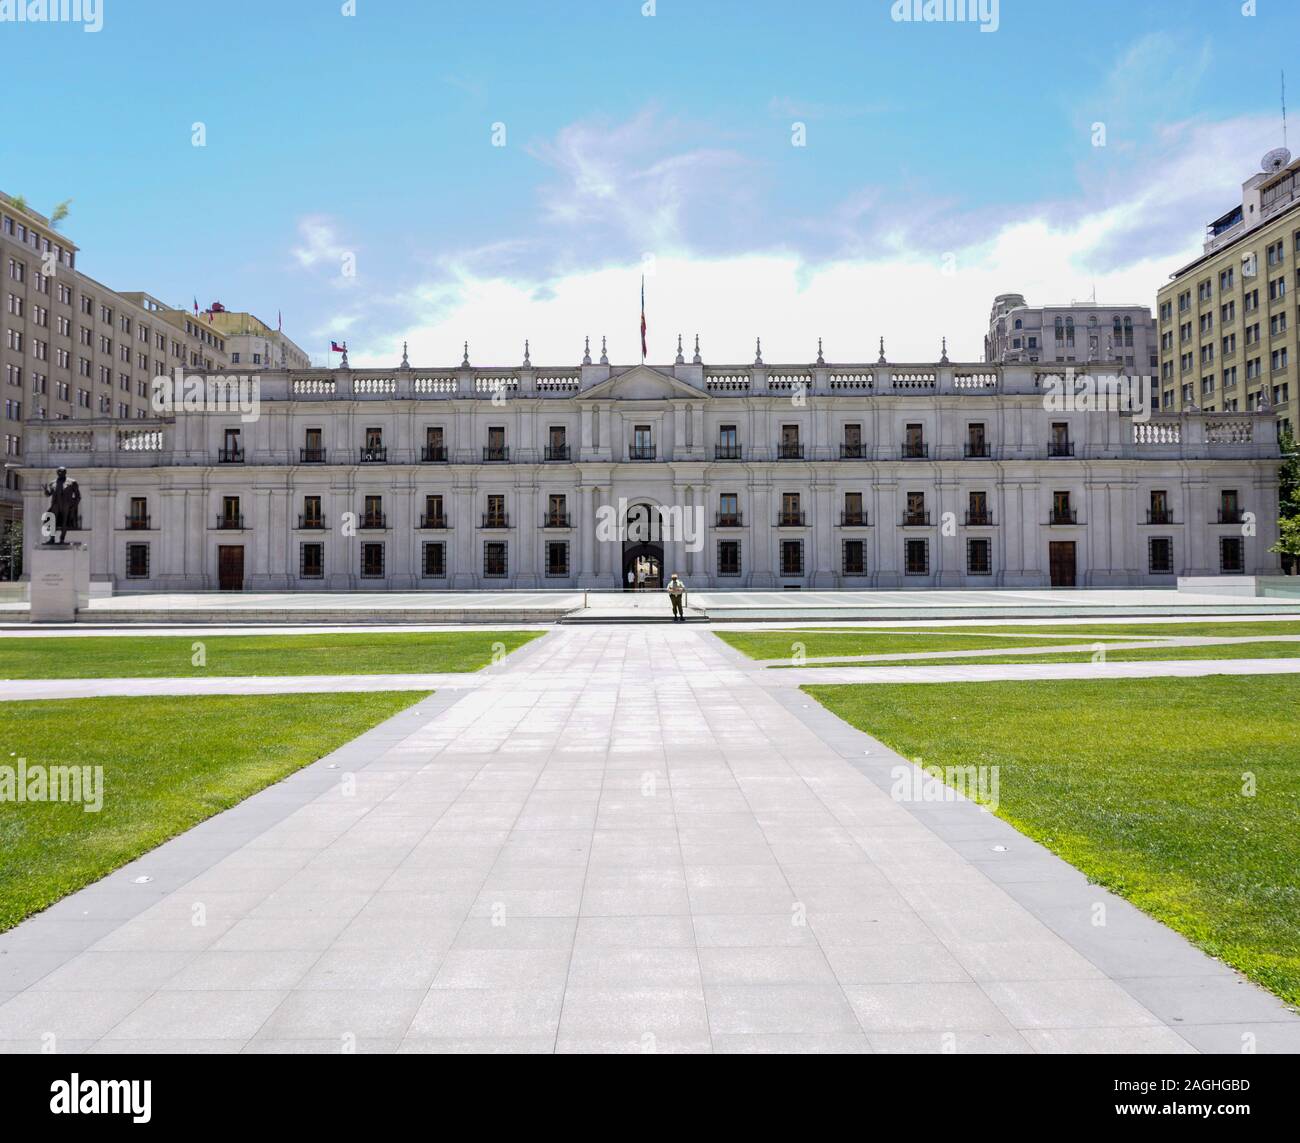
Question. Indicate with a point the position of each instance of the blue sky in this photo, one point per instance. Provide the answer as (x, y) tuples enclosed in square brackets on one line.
[(942, 163)]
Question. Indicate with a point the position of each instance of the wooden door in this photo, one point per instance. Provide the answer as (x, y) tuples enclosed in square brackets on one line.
[(1061, 562), (230, 567)]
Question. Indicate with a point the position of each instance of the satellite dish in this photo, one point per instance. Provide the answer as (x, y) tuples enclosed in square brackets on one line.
[(1275, 160)]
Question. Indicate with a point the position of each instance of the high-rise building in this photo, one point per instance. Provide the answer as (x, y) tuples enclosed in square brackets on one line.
[(1228, 320), (74, 349), (250, 343), (1081, 333)]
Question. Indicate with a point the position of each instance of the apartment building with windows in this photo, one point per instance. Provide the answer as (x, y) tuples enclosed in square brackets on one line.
[(250, 344), (1081, 333), (71, 347), (1227, 322), (744, 476)]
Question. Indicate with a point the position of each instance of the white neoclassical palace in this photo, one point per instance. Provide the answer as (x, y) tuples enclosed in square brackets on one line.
[(803, 476)]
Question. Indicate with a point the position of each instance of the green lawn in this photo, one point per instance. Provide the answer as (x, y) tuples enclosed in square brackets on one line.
[(1140, 786), (1113, 655), (175, 656), (167, 765), (886, 641)]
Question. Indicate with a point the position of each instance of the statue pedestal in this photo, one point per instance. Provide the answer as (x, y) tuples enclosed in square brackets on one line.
[(60, 582)]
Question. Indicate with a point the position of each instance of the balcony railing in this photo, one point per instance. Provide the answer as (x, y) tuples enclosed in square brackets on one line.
[(1231, 515), (1160, 516), (916, 519), (374, 520), (851, 451), (853, 520), (1060, 448), (229, 523), (977, 450), (374, 454), (557, 452), (311, 456), (556, 520), (915, 450), (979, 519), (729, 520), (230, 455), (727, 452), (496, 454), (496, 520), (1065, 516), (438, 522), (641, 452), (136, 523), (433, 454), (790, 520), (311, 523), (789, 450)]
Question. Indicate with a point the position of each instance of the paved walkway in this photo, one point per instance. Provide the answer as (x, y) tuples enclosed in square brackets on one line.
[(619, 841)]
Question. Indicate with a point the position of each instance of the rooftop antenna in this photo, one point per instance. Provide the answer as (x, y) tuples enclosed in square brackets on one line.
[(1284, 141)]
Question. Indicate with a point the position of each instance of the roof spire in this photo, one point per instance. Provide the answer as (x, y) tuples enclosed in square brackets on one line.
[(406, 363), (820, 359), (758, 351), (586, 350), (527, 362), (681, 360), (465, 360), (944, 359), (604, 356), (697, 360), (881, 359)]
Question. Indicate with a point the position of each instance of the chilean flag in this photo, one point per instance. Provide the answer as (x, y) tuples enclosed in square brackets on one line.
[(335, 347), (643, 346)]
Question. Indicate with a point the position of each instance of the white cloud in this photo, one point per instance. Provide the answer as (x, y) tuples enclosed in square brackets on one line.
[(318, 242)]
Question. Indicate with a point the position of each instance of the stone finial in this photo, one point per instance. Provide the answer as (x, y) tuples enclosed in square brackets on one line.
[(697, 360), (943, 360), (604, 356), (681, 360), (527, 362), (820, 359), (465, 360), (406, 361), (586, 350), (881, 359), (758, 351)]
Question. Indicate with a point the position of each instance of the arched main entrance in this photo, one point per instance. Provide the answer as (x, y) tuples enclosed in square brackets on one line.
[(643, 552), (643, 566)]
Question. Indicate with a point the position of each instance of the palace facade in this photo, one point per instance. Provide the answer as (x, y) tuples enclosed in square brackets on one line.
[(803, 476)]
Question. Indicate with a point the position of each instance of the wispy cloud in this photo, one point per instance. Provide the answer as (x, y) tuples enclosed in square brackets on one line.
[(318, 242)]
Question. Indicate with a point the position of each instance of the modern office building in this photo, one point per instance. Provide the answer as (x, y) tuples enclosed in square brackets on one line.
[(748, 476), (1228, 320), (72, 348), (1081, 333), (250, 344)]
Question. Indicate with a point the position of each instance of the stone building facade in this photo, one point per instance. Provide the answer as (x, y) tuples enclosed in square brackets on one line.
[(750, 476)]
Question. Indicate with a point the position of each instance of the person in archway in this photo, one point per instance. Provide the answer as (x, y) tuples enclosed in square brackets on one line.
[(677, 596)]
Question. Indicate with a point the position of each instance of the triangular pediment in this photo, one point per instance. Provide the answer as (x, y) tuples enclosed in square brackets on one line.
[(642, 383)]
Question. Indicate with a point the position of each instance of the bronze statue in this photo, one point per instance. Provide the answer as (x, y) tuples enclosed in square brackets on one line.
[(64, 496)]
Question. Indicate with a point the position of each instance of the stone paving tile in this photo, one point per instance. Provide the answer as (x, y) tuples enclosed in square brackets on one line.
[(624, 840)]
